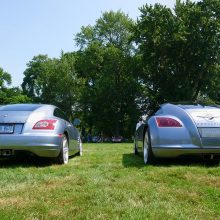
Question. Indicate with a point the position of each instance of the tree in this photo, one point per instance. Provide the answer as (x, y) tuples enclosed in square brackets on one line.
[(105, 62), (179, 50), (10, 95), (5, 78), (113, 28), (14, 96), (52, 81), (36, 69)]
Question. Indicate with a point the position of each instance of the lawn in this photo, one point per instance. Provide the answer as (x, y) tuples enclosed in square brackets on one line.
[(109, 182)]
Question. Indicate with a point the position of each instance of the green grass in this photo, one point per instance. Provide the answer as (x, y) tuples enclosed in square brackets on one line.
[(109, 182)]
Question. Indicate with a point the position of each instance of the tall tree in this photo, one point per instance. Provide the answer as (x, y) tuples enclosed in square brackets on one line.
[(179, 49), (52, 81), (105, 61), (36, 69), (113, 28)]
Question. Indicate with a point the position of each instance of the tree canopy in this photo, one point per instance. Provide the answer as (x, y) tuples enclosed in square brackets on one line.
[(52, 81), (105, 62), (179, 50), (10, 95)]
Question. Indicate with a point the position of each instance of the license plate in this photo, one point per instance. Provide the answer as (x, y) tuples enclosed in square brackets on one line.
[(6, 128), (209, 132)]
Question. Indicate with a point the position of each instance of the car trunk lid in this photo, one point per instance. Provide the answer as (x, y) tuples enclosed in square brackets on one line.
[(206, 117), (11, 122), (207, 121), (14, 116)]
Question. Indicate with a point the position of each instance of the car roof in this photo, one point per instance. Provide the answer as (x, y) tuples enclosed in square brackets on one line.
[(22, 107)]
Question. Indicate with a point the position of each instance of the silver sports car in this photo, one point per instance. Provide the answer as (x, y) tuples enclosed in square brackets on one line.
[(176, 130), (42, 130)]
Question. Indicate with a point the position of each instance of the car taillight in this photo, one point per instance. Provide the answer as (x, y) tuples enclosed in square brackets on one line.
[(45, 125), (167, 122)]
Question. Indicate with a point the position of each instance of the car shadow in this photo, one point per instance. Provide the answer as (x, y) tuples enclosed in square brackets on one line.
[(131, 160), (29, 161)]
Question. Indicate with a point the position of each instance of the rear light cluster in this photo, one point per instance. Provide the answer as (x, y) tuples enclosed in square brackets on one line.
[(167, 122), (45, 125)]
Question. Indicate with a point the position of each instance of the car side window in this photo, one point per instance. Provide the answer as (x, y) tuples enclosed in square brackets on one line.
[(60, 114)]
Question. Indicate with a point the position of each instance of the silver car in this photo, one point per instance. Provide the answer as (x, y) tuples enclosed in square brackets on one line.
[(42, 130), (176, 130)]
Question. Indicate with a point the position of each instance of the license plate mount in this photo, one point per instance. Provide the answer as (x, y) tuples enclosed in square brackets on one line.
[(209, 132), (6, 128)]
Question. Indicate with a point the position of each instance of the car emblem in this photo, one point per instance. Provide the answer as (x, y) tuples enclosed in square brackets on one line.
[(208, 116)]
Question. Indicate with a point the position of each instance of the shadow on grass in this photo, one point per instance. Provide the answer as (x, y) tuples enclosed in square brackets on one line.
[(131, 160), (28, 161)]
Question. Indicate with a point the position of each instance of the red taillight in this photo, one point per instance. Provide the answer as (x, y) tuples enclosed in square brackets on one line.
[(167, 122), (45, 125)]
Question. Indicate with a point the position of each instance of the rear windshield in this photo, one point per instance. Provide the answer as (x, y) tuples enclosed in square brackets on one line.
[(19, 107)]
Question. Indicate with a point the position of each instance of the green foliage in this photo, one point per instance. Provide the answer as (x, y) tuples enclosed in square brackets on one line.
[(13, 96), (179, 50), (52, 81), (113, 28), (10, 95), (5, 78), (36, 69), (105, 62)]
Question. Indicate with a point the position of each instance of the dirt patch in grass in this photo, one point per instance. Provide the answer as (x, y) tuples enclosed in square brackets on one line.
[(208, 180), (18, 202)]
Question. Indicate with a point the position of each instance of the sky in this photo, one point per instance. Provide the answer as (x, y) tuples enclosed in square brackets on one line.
[(32, 27)]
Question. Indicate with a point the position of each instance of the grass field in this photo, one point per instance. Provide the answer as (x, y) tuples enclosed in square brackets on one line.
[(109, 182)]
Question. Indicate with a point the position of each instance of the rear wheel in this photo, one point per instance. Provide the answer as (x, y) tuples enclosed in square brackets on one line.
[(63, 157), (147, 151)]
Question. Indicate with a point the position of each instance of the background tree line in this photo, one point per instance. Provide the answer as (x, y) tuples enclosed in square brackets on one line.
[(124, 68)]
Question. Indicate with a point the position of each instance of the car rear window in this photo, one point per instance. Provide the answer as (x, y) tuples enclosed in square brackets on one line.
[(60, 114), (19, 107)]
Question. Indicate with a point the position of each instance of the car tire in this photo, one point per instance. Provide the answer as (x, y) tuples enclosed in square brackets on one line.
[(135, 148), (147, 150), (63, 157)]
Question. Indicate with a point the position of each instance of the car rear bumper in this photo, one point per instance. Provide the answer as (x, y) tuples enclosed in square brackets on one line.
[(38, 144), (175, 151)]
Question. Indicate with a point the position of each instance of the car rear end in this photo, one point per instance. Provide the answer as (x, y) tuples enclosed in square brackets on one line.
[(186, 130), (29, 128)]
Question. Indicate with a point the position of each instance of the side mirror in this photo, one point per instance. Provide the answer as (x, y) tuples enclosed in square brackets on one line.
[(76, 122)]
